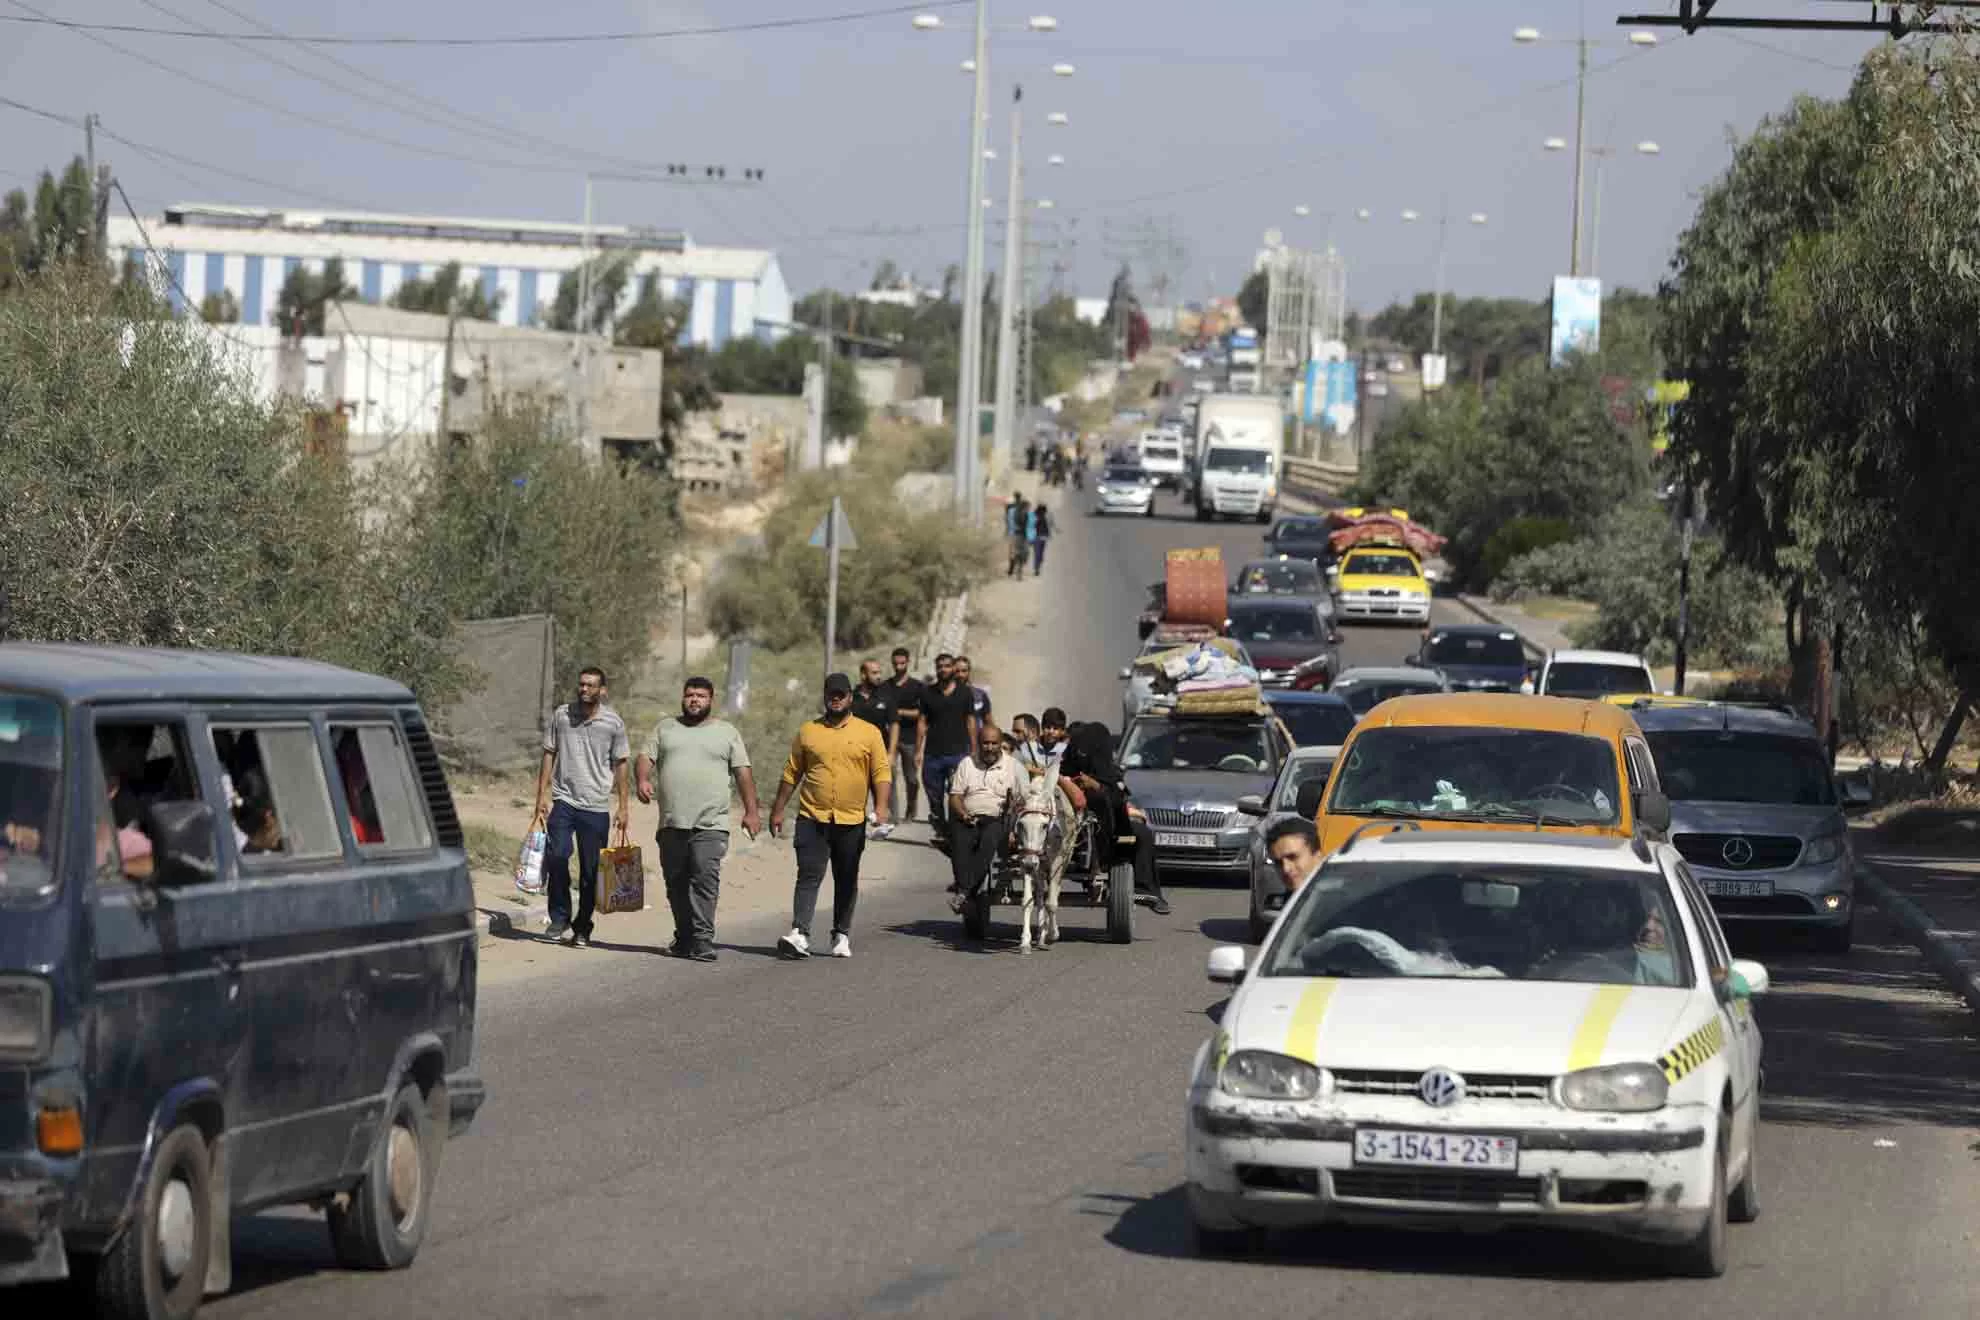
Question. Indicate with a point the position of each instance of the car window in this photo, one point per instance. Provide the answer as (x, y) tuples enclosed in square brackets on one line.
[(1476, 649), (30, 791), (1479, 773), (144, 762), (1199, 744), (1315, 723), (1379, 564), (1283, 579), (1483, 920), (1581, 679), (1712, 940), (379, 788), (1306, 770), (1122, 474), (278, 796), (1275, 623), (1743, 767)]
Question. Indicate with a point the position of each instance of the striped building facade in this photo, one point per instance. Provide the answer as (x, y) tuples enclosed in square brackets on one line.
[(195, 251)]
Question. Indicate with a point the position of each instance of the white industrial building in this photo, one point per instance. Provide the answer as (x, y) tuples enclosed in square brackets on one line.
[(201, 250)]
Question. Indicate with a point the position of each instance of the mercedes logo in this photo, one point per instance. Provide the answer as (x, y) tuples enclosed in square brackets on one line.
[(1737, 852), (1440, 1088)]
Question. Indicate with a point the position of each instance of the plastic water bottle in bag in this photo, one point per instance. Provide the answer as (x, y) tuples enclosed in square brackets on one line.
[(529, 867)]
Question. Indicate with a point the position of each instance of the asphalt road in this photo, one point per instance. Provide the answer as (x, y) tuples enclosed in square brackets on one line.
[(932, 1129)]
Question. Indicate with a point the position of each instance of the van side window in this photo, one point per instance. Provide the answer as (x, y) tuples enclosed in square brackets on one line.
[(144, 762), (279, 799), (377, 775)]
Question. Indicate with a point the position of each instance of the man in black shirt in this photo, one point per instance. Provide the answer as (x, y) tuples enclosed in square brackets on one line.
[(1089, 761), (979, 699), (873, 701), (947, 728), (906, 690)]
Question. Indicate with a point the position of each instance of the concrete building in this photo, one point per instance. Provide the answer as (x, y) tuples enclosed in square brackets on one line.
[(732, 292), (887, 382)]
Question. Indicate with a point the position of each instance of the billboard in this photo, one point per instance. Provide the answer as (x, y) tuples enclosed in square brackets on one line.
[(1577, 317), (1330, 392)]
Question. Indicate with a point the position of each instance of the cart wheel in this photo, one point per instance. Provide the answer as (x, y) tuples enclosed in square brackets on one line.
[(1120, 903), (976, 916)]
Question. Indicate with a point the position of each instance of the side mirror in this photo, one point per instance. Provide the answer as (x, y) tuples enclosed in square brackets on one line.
[(182, 842), (1127, 671), (1307, 801), (1333, 570), (1854, 794), (1748, 978), (1333, 639), (1251, 804), (1653, 810), (1226, 965)]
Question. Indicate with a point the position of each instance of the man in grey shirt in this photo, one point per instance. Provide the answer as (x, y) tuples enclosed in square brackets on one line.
[(585, 750), (696, 755)]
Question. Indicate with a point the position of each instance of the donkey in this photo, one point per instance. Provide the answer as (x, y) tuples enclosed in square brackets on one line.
[(1040, 830)]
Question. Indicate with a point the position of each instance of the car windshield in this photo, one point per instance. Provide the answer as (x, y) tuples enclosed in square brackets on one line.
[(1254, 461), (1742, 767), (1578, 678), (1380, 564), (1236, 746), (1315, 723), (30, 791), (1166, 453), (1306, 770), (1477, 649), (1121, 473), (1479, 920), (1275, 623), (1365, 695), (1468, 772), (1287, 578)]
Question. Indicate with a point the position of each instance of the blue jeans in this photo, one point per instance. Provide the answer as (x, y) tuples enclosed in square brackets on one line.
[(935, 772), (572, 827), (1037, 556)]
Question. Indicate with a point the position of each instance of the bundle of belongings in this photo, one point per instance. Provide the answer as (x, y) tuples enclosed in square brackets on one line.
[(1205, 678)]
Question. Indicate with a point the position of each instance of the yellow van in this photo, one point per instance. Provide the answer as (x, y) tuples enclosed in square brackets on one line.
[(1489, 760)]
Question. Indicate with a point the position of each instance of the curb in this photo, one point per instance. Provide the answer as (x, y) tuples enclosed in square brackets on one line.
[(515, 921), (1952, 959)]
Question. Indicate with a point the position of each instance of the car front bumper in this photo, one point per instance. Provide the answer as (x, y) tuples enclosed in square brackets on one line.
[(1269, 1165), (1356, 605), (1135, 503), (1798, 895)]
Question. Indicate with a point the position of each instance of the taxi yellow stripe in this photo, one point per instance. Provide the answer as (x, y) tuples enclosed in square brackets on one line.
[(1592, 1036), (1303, 1032)]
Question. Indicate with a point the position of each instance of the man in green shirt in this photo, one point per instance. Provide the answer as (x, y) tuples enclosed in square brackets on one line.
[(695, 755)]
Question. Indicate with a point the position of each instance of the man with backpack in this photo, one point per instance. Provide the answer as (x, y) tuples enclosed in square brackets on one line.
[(1038, 533)]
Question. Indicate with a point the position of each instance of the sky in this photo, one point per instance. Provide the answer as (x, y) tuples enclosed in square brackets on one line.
[(1207, 123)]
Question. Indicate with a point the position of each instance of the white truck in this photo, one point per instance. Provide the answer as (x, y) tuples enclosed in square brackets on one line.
[(1161, 450), (1240, 443), (1243, 363)]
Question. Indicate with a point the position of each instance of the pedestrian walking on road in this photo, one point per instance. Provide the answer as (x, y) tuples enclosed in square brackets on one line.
[(873, 701), (907, 691), (836, 763), (947, 728), (696, 756), (1016, 524), (583, 775), (979, 698), (1040, 533), (983, 792)]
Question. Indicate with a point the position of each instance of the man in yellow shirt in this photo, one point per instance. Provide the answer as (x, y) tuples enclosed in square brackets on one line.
[(837, 763)]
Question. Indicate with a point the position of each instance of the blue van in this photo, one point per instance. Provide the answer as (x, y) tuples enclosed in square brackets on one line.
[(237, 965)]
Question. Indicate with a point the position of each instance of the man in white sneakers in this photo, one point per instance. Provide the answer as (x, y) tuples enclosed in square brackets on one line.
[(837, 763)]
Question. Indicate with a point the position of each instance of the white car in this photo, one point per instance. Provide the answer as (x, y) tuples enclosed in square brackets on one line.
[(1124, 488), (1594, 674), (1469, 1029)]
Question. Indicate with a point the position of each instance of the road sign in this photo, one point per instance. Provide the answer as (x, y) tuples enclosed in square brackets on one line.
[(845, 539)]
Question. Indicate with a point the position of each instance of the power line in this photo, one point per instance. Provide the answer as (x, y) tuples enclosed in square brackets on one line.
[(528, 39)]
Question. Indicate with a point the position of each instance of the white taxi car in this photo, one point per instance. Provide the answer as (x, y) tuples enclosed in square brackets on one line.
[(1447, 1029)]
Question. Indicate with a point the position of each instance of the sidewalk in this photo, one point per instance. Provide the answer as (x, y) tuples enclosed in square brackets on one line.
[(1922, 868)]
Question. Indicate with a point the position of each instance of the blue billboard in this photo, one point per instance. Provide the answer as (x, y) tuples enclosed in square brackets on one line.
[(1331, 392), (1577, 317)]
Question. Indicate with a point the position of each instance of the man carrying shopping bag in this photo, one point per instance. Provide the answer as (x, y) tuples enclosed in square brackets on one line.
[(836, 764), (583, 774), (696, 755)]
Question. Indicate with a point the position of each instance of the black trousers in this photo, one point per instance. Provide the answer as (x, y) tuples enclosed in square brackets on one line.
[(1146, 881), (973, 851), (819, 845)]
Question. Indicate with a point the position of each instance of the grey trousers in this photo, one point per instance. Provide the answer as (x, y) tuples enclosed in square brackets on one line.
[(691, 862)]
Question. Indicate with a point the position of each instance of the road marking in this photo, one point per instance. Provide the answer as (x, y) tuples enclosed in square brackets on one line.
[(1306, 1019), (1592, 1036)]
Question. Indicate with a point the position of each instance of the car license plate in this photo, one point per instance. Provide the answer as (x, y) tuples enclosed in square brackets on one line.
[(1185, 840), (1436, 1150), (1740, 888)]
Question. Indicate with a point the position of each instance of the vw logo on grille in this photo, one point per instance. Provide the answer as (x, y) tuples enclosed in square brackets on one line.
[(1440, 1088), (1737, 852)]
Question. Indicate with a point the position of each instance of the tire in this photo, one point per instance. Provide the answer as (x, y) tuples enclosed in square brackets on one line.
[(976, 916), (1149, 512), (1120, 903), (384, 1222), (1744, 1205), (1704, 1257), (1263, 516), (1836, 939), (157, 1269)]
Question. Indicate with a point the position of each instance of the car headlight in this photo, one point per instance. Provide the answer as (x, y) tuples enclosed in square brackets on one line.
[(1822, 851), (1262, 1075), (26, 1012), (1620, 1088)]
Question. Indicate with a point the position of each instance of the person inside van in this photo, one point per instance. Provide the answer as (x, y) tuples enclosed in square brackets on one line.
[(365, 827), (254, 816)]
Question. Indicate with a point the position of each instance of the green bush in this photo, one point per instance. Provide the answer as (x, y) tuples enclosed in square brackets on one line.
[(1517, 537)]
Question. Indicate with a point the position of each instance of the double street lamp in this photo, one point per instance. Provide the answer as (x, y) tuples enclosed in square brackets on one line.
[(1478, 218), (1601, 155)]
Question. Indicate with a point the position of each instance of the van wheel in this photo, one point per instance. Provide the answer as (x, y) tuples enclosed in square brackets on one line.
[(157, 1269), (384, 1221)]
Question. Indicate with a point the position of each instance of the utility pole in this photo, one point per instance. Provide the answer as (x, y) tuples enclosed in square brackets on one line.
[(1009, 316), (969, 491), (447, 370), (581, 407), (1437, 316)]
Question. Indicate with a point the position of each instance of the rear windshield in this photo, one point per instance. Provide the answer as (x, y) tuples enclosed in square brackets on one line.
[(1466, 772), (1234, 746), (1299, 529), (1579, 679), (1284, 579), (1743, 767), (1164, 450), (1124, 475), (30, 791), (1315, 723), (1365, 696), (1476, 649)]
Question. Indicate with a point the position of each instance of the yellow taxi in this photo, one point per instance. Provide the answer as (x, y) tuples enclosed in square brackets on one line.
[(1378, 581), (1490, 760)]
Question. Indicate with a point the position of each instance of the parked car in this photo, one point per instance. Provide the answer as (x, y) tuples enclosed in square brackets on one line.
[(1474, 658), (1124, 488), (1186, 773), (1291, 640), (1367, 686), (1301, 783), (237, 965), (1757, 813), (1482, 1031), (1594, 674)]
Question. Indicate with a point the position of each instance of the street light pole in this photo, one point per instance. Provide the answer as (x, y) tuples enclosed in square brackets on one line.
[(1008, 312), (1580, 114), (1437, 315), (968, 491)]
